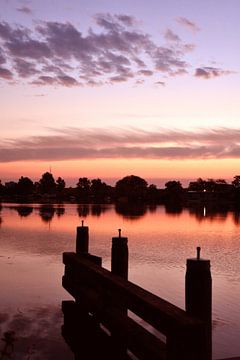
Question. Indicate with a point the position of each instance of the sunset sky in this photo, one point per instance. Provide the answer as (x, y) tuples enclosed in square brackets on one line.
[(112, 88)]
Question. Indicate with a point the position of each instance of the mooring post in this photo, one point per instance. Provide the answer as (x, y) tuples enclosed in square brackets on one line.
[(119, 266), (82, 239), (198, 296), (119, 260)]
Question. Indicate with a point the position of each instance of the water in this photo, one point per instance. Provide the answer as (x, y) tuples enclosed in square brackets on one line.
[(32, 240)]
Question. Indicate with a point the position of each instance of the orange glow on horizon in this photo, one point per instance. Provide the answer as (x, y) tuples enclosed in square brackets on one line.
[(117, 168)]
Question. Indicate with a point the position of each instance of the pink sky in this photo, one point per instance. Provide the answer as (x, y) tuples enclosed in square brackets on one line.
[(105, 90)]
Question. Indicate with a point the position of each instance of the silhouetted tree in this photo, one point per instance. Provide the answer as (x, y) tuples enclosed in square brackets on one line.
[(152, 193), (210, 185), (99, 190), (221, 181), (2, 189), (198, 185), (84, 184), (11, 188), (173, 186), (236, 182), (60, 184), (236, 190), (25, 186), (173, 191), (47, 184), (83, 189), (134, 188)]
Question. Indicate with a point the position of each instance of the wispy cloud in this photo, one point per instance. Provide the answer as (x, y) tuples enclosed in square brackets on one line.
[(25, 9), (171, 36), (72, 143), (211, 72), (190, 25)]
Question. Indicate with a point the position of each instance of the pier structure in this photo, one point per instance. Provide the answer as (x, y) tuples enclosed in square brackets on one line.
[(110, 317)]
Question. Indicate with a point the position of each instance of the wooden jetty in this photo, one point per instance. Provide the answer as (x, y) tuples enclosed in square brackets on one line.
[(98, 323)]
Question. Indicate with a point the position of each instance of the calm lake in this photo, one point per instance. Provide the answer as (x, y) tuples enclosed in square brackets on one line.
[(33, 237)]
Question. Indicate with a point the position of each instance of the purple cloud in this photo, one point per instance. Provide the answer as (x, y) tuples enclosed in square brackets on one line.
[(127, 20), (25, 9), (24, 68), (187, 23), (210, 72), (171, 36), (74, 143), (5, 74), (2, 57), (56, 53), (68, 81), (160, 83), (64, 80), (59, 54), (145, 72), (30, 49)]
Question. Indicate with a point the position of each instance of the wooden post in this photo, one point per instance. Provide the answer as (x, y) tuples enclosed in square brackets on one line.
[(82, 239), (198, 296), (119, 261), (119, 266)]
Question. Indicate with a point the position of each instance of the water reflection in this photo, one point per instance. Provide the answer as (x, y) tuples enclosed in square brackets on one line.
[(97, 210), (24, 211), (46, 212), (32, 334), (60, 210), (159, 244), (236, 217), (210, 213), (131, 211), (83, 210), (175, 209)]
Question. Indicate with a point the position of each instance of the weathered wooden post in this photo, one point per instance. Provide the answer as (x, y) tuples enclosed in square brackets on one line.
[(82, 239), (82, 244), (198, 296), (119, 266), (119, 260)]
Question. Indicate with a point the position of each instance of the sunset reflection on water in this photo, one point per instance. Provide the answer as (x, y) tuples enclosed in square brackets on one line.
[(33, 237)]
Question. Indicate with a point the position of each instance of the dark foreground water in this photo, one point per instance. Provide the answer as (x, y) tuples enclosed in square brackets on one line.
[(33, 237)]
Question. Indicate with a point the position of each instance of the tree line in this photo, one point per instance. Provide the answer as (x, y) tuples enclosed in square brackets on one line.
[(128, 189)]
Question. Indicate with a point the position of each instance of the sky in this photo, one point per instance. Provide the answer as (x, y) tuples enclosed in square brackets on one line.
[(112, 88)]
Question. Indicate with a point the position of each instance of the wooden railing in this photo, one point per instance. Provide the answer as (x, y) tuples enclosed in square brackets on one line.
[(103, 300)]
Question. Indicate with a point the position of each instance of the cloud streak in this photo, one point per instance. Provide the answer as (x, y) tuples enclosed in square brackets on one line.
[(71, 143), (188, 24), (25, 10), (211, 72)]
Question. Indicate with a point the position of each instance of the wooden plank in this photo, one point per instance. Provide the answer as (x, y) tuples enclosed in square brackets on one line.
[(166, 317), (126, 331), (84, 337)]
